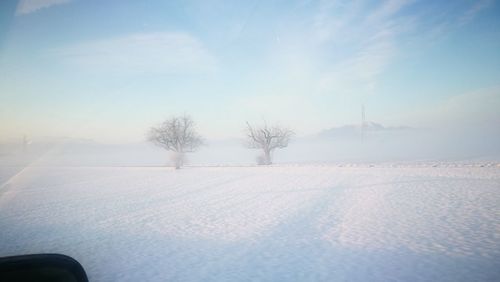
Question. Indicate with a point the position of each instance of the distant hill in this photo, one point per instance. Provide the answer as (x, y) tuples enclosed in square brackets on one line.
[(353, 130)]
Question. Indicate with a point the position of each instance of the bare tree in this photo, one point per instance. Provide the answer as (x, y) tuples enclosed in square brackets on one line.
[(178, 135), (267, 138)]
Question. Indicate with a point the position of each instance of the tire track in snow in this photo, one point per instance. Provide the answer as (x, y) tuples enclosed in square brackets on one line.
[(6, 190)]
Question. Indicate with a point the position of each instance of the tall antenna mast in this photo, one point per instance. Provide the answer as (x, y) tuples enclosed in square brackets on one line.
[(363, 122)]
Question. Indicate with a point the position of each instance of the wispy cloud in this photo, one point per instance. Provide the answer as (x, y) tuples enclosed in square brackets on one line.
[(358, 73), (333, 17), (475, 9), (30, 6), (388, 9), (377, 33), (160, 52), (372, 33)]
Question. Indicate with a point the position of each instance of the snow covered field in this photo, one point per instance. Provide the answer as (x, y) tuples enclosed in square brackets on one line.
[(281, 223)]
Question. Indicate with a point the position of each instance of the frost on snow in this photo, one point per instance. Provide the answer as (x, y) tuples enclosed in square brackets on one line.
[(279, 223)]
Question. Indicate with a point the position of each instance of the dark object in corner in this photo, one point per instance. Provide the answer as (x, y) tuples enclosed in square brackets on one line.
[(41, 268)]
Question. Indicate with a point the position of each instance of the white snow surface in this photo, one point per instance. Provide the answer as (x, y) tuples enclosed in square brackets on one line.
[(278, 223)]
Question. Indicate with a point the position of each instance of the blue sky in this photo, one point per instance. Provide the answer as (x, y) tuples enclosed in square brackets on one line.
[(108, 70)]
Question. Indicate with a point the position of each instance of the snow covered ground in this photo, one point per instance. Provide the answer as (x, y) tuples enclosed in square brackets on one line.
[(281, 223)]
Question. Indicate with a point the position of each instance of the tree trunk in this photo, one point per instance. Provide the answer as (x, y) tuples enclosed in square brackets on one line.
[(178, 159), (267, 157)]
